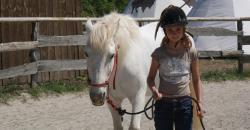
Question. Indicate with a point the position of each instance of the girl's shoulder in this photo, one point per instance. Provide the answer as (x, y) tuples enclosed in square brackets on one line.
[(159, 49), (158, 53)]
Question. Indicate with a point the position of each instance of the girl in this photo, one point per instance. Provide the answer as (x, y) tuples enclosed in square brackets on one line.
[(176, 60)]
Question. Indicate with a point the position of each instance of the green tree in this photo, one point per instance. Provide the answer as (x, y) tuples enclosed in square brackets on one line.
[(97, 8)]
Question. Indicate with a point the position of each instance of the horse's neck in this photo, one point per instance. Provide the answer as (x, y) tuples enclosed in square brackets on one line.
[(137, 53), (139, 48)]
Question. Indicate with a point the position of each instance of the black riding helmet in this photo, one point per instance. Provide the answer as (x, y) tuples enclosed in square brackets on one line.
[(170, 16)]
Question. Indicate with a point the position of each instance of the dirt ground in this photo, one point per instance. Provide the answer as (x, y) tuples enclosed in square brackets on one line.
[(227, 105)]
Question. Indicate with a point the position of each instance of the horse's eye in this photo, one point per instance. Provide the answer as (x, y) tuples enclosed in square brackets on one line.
[(112, 56), (86, 54)]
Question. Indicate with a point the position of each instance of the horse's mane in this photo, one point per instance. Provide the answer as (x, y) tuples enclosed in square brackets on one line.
[(121, 28)]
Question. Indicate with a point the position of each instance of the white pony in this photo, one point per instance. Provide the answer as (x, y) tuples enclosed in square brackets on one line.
[(118, 64), (118, 59)]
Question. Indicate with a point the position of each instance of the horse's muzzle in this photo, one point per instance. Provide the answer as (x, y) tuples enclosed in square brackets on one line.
[(97, 97)]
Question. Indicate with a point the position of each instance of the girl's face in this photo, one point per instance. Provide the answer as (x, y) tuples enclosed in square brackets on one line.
[(174, 32)]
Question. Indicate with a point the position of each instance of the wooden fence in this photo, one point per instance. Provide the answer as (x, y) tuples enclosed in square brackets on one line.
[(22, 31), (36, 65)]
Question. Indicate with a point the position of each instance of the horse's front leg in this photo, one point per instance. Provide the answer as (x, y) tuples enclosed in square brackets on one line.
[(137, 105), (117, 121)]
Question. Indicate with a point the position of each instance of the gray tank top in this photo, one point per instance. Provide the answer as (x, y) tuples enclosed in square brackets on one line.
[(174, 69)]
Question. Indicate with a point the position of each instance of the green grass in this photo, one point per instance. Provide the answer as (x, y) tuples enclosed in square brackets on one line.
[(58, 87), (9, 92), (55, 88), (223, 75)]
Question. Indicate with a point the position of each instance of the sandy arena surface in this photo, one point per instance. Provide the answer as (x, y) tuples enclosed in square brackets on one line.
[(227, 105)]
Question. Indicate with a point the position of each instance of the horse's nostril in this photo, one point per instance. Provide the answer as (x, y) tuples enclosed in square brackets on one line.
[(103, 95), (89, 80)]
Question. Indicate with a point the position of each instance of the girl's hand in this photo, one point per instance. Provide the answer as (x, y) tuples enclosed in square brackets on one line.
[(200, 112), (157, 95)]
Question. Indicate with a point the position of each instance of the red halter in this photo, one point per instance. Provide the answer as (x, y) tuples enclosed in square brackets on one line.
[(112, 74)]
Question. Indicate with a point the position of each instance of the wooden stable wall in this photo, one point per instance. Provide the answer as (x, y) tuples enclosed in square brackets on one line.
[(20, 31)]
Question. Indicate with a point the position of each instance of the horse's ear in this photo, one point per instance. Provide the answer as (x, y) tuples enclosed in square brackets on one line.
[(89, 25)]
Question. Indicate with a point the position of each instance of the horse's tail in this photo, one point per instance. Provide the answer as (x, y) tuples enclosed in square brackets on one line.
[(196, 120)]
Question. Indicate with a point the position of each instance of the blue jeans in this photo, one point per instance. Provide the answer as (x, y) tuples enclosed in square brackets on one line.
[(171, 113)]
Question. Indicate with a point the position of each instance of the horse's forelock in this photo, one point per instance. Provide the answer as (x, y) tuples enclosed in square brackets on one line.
[(105, 30), (99, 36)]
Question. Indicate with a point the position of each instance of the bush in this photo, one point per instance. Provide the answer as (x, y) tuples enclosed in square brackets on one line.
[(97, 8)]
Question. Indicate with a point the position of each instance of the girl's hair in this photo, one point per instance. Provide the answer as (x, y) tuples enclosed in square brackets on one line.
[(185, 41)]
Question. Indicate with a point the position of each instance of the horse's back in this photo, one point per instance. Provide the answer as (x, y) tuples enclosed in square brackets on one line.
[(148, 32)]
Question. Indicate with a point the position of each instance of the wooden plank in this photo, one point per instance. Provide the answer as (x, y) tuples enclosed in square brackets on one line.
[(213, 18), (34, 54), (79, 30), (203, 54), (232, 53), (68, 6), (81, 56), (18, 33), (76, 56), (45, 41), (211, 31), (207, 54), (73, 51), (60, 65), (47, 7), (27, 28), (62, 31), (70, 40), (246, 40), (50, 31), (33, 11), (1, 81), (21, 70), (84, 19), (57, 50), (71, 30), (47, 18), (6, 38), (4, 34), (79, 27), (43, 66), (15, 46)]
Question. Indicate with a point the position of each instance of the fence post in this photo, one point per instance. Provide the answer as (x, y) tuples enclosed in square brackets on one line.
[(239, 37), (34, 54)]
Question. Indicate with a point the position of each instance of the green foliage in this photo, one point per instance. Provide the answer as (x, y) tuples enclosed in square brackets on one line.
[(97, 8)]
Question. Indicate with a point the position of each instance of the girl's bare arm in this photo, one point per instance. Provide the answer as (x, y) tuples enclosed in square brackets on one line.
[(151, 76)]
